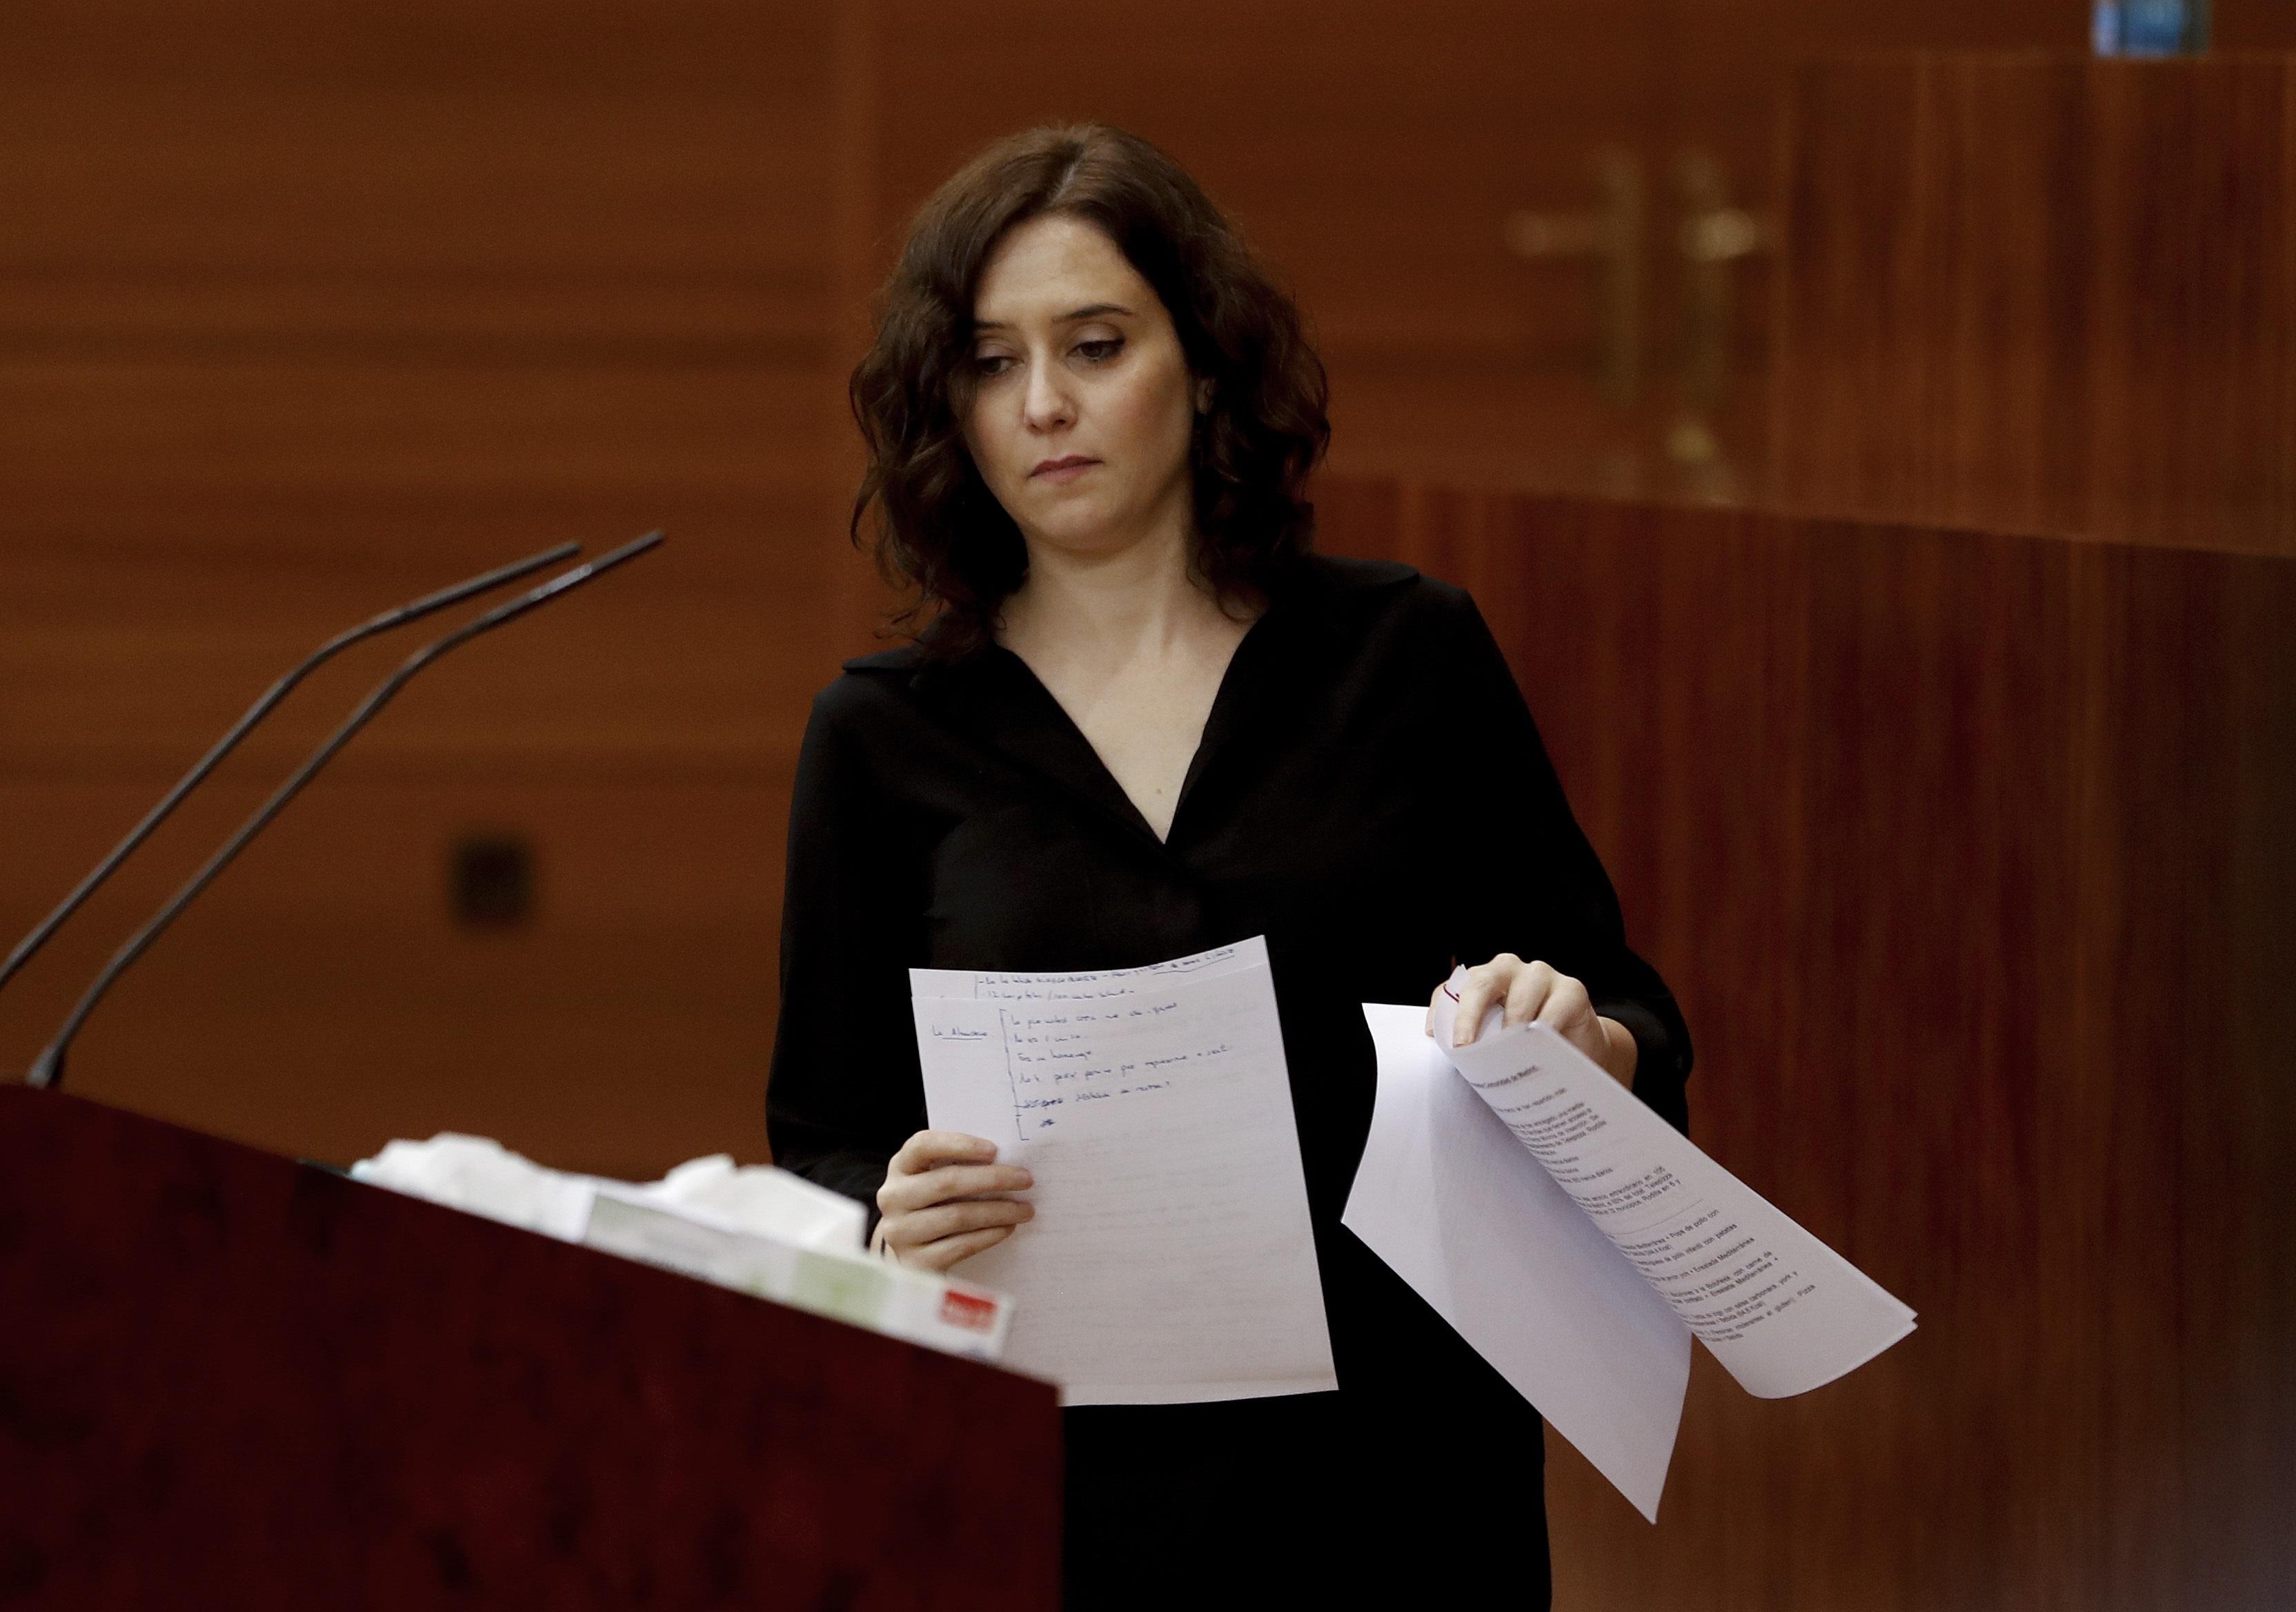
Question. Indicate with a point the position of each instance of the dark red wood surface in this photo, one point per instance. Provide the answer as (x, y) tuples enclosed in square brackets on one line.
[(2041, 293), (229, 1380), (306, 310), (1970, 858)]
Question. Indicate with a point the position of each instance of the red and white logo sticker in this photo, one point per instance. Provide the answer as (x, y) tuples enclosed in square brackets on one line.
[(968, 1311)]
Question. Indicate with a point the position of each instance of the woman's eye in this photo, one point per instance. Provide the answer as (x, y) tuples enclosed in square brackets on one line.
[(1101, 350), (989, 363)]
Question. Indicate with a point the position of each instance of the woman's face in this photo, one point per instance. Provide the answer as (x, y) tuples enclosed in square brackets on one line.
[(1081, 406)]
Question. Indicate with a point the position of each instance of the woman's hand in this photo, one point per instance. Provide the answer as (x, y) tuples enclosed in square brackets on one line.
[(934, 1205), (1535, 993)]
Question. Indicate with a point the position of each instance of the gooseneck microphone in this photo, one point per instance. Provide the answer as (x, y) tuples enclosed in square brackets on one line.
[(48, 1070), (428, 604)]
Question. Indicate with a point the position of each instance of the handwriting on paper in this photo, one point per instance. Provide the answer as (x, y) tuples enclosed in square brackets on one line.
[(1060, 1058), (1171, 1257)]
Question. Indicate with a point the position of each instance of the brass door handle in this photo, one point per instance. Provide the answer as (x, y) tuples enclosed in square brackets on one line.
[(1609, 238), (1713, 235)]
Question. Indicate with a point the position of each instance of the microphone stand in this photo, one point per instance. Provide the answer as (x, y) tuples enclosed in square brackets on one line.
[(429, 603), (48, 1070)]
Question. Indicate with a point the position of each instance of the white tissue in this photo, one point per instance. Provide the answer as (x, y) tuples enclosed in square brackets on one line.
[(753, 1228), (766, 1202), (482, 1176)]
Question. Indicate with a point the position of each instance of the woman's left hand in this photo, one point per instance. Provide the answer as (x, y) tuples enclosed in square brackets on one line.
[(1536, 994)]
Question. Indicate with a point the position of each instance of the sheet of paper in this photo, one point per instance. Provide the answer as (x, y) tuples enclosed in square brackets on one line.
[(1171, 1257), (960, 982), (1446, 1196), (1782, 1312)]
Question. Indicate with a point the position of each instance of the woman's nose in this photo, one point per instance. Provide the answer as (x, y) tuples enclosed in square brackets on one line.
[(1048, 403)]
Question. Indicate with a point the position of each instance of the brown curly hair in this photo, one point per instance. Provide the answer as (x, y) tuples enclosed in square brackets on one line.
[(938, 531)]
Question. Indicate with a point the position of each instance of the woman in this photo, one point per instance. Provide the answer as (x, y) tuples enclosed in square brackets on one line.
[(1141, 719)]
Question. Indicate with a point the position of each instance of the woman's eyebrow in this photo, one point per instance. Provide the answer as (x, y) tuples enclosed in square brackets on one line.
[(1092, 310)]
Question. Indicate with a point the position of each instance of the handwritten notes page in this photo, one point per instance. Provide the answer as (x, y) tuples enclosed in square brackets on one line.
[(1446, 1197), (1171, 1257)]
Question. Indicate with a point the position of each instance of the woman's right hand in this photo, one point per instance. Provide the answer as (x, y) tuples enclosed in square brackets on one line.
[(934, 1203)]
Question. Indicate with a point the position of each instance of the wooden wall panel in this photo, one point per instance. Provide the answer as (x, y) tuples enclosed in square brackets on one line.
[(2253, 25), (1967, 853), (1967, 856), (1373, 151), (2042, 294), (1376, 151), (304, 311), (321, 1000)]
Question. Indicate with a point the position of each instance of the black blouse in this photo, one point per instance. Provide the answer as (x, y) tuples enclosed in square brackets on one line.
[(1371, 794)]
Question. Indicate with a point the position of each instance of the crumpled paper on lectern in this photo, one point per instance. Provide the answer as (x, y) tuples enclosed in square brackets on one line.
[(480, 1175), (753, 1228), (767, 1201)]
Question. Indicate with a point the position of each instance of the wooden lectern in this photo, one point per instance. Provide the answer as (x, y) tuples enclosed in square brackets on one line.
[(228, 1379)]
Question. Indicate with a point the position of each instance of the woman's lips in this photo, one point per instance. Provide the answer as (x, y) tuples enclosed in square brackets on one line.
[(1064, 470)]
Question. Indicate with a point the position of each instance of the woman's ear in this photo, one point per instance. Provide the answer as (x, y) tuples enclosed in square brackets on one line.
[(1204, 397)]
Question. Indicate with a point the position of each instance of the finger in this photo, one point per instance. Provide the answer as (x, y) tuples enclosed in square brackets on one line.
[(951, 1181), (1571, 1014), (923, 1226), (947, 1181), (1473, 990), (1482, 987), (1566, 1004), (1532, 989), (950, 1250), (927, 1148)]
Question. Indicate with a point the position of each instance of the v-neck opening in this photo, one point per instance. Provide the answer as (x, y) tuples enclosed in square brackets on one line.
[(1222, 698)]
